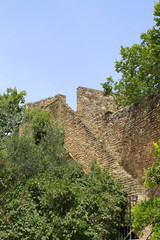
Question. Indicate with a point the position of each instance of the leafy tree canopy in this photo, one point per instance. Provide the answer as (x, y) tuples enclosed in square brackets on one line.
[(139, 67), (63, 203), (11, 109)]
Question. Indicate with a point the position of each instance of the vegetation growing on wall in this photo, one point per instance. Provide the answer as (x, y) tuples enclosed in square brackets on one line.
[(139, 67), (148, 211), (45, 195)]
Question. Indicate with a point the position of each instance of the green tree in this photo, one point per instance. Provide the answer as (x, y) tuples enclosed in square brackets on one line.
[(64, 203), (11, 110), (139, 67), (147, 212), (39, 144), (44, 195)]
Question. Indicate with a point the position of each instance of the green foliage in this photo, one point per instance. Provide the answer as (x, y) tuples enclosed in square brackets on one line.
[(147, 212), (139, 67), (40, 124), (8, 172), (44, 195), (64, 203), (11, 110), (152, 175), (39, 121), (107, 86), (30, 157)]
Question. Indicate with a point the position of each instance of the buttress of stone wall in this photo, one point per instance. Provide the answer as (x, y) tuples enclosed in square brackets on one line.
[(92, 105), (85, 146), (132, 131)]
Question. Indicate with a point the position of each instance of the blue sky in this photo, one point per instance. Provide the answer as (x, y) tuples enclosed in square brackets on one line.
[(53, 46)]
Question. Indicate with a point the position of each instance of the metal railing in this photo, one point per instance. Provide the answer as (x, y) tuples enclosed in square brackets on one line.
[(125, 232)]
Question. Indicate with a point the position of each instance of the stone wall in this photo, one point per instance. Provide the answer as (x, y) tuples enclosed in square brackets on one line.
[(129, 132), (84, 145), (119, 139), (45, 102), (92, 105), (91, 102), (132, 131)]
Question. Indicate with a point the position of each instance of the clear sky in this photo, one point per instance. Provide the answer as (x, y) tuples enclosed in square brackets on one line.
[(53, 46)]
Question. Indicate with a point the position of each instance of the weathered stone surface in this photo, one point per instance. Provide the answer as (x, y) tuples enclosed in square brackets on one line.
[(132, 131)]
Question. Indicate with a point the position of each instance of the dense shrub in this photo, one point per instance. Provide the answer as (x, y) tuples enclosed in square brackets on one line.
[(46, 195), (63, 203)]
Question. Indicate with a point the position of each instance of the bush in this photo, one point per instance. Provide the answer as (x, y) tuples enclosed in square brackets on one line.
[(67, 205), (46, 195)]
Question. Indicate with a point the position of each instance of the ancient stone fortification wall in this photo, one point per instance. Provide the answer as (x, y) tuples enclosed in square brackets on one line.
[(80, 141), (84, 145), (131, 133), (45, 102), (119, 139)]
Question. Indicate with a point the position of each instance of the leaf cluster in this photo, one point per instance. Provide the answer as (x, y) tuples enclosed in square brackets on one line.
[(139, 67), (152, 175), (64, 203), (147, 212), (11, 110), (39, 144)]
